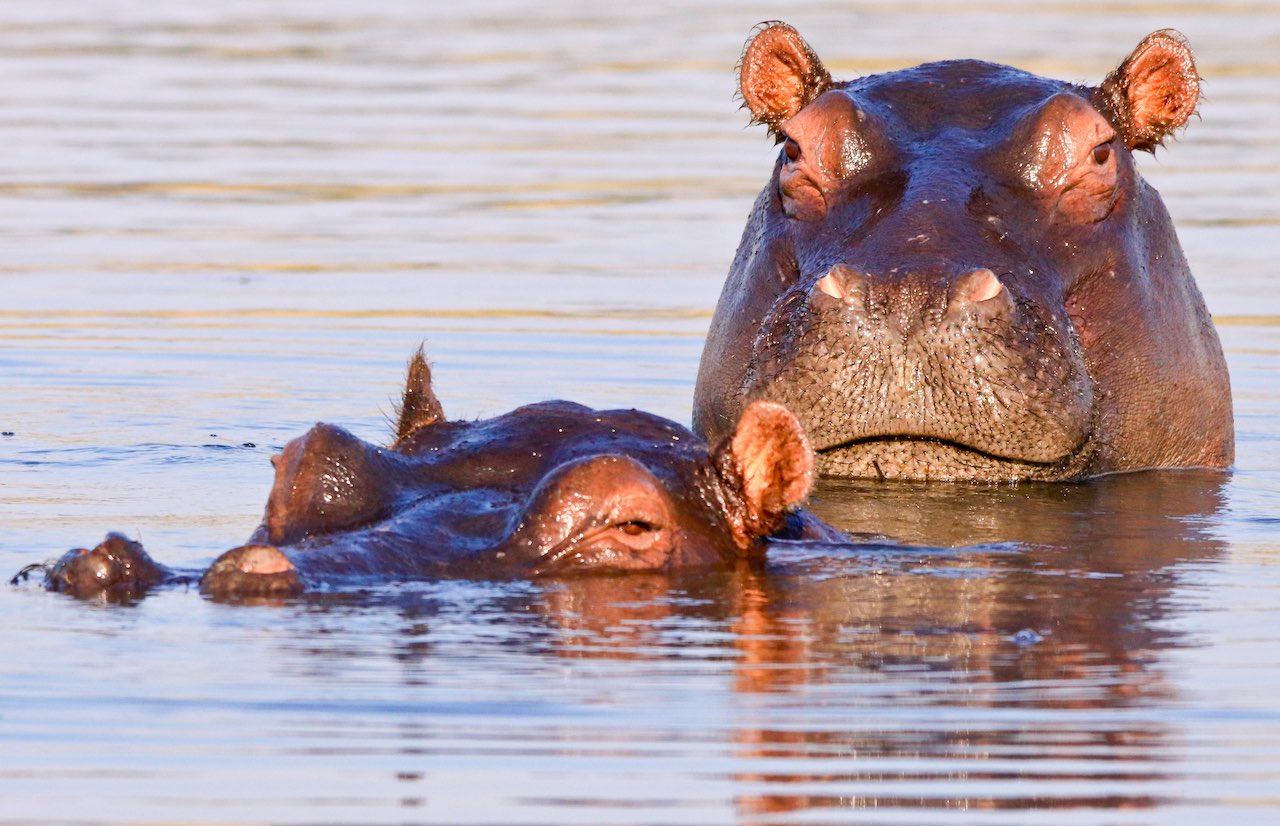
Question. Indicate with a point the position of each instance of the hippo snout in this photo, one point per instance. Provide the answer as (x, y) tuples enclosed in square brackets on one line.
[(117, 568), (945, 361)]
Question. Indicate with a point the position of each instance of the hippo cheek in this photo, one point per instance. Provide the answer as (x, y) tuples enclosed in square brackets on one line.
[(976, 385), (610, 514)]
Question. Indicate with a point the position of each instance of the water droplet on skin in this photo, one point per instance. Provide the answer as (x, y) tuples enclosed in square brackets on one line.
[(1026, 637)]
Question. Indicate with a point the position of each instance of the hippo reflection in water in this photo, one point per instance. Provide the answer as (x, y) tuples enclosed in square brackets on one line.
[(547, 489), (956, 272)]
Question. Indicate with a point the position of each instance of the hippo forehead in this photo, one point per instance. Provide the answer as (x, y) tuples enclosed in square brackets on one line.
[(972, 96), (517, 449)]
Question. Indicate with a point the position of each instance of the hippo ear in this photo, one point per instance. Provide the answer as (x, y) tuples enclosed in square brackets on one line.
[(768, 463), (779, 74), (419, 408), (1154, 91)]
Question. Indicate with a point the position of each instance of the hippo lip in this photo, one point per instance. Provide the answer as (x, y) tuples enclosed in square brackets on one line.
[(1062, 461)]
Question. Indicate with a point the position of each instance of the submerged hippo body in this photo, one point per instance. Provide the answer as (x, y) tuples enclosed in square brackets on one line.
[(956, 272), (547, 489)]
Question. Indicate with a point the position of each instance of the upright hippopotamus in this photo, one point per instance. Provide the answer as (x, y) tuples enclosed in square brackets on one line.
[(548, 489), (957, 273)]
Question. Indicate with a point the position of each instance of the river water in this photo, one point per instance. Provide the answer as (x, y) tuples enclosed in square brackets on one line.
[(222, 222)]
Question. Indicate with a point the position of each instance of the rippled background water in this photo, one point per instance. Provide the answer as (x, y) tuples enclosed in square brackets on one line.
[(222, 222)]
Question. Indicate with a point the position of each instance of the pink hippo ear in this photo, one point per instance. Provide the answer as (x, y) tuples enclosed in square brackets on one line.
[(1154, 91), (419, 406), (768, 464), (779, 74)]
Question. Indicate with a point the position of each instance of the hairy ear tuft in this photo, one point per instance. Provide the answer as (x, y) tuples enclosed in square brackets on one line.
[(771, 465), (779, 74), (1154, 92), (419, 406)]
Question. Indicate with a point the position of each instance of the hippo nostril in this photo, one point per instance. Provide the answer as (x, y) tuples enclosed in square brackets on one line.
[(844, 284), (262, 559), (979, 285), (831, 285), (252, 571), (980, 289)]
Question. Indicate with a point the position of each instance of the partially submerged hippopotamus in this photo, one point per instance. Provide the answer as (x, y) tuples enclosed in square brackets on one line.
[(956, 272), (547, 489)]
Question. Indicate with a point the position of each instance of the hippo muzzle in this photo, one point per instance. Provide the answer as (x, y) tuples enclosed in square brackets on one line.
[(928, 373)]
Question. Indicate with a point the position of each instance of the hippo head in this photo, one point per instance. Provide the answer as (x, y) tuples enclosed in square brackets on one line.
[(115, 570), (547, 489), (956, 272)]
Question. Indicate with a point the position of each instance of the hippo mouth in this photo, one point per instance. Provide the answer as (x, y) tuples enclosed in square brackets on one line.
[(927, 458)]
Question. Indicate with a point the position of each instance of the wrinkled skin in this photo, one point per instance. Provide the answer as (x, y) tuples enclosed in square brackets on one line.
[(548, 489), (957, 273)]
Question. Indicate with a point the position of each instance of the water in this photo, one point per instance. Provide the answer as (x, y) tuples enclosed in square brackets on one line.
[(222, 222)]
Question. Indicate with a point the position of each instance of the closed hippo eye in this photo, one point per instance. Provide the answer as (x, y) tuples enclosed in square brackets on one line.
[(635, 527), (605, 512), (627, 529)]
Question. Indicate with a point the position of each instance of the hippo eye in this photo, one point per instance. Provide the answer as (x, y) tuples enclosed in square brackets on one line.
[(635, 527), (1102, 153), (791, 149)]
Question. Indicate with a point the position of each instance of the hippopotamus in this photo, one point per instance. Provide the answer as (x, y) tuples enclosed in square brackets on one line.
[(548, 489), (956, 272)]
